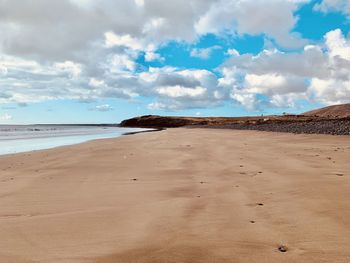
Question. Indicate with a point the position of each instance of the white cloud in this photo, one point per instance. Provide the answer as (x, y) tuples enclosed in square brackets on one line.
[(122, 62), (232, 52), (316, 73), (333, 6), (203, 53), (5, 117), (56, 30), (287, 100), (112, 40), (270, 84), (104, 107), (248, 100), (274, 18), (96, 83), (178, 91), (337, 44), (330, 91), (140, 3), (151, 56), (73, 69)]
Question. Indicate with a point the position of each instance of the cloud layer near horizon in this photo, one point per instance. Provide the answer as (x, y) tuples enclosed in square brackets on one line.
[(89, 50)]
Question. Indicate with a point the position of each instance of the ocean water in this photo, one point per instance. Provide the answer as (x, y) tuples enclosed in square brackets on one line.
[(25, 138)]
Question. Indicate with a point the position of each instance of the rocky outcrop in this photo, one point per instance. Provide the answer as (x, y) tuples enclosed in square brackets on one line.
[(152, 121)]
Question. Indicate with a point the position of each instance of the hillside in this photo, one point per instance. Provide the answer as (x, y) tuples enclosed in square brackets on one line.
[(337, 111), (154, 121)]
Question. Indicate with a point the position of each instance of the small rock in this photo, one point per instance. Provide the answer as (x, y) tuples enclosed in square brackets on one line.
[(282, 248)]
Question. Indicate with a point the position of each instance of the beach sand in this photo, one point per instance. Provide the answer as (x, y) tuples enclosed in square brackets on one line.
[(180, 195)]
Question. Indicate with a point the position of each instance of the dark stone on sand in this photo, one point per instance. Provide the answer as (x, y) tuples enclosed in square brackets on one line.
[(134, 179), (252, 221), (260, 204), (282, 248)]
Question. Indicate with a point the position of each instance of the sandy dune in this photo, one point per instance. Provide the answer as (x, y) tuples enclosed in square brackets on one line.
[(181, 195)]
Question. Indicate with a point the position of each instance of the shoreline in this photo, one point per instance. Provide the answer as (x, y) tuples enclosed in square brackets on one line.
[(68, 140), (112, 139), (181, 195)]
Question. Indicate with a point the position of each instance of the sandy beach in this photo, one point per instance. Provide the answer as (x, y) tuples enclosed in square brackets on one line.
[(179, 195)]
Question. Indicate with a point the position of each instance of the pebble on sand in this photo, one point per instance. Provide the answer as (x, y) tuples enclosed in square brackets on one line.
[(282, 248)]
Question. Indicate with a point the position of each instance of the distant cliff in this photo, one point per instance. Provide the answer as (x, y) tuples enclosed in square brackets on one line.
[(154, 121)]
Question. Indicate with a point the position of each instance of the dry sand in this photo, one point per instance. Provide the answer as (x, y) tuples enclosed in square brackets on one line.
[(181, 195)]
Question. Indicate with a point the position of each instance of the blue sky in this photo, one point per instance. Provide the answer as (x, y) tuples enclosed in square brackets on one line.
[(84, 61)]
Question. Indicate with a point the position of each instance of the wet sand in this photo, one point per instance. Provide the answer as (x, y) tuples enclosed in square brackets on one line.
[(180, 195)]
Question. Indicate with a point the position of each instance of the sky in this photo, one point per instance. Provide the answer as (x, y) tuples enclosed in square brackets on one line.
[(102, 61)]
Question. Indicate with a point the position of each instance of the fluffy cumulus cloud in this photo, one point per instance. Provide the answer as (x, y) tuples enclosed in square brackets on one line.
[(179, 89), (274, 18), (320, 73), (88, 50)]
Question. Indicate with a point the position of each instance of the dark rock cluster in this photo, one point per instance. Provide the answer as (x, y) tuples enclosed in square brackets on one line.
[(332, 126)]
